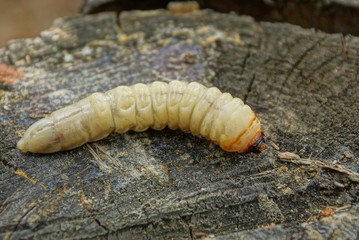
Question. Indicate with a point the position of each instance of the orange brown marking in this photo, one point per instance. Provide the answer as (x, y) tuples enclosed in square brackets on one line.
[(9, 74), (326, 212), (58, 138), (30, 178), (255, 145), (238, 138)]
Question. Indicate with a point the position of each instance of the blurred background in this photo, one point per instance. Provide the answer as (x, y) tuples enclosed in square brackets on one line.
[(27, 18)]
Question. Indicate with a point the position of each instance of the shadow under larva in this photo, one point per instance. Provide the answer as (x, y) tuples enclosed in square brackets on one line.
[(191, 107)]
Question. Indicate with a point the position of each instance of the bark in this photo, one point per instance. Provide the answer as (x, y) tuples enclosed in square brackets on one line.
[(303, 85)]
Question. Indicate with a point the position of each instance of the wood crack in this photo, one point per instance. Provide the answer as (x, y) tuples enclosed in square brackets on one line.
[(101, 225), (299, 60), (17, 226), (9, 165), (249, 89), (246, 57)]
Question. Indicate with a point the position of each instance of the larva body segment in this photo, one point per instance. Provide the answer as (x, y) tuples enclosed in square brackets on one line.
[(214, 122), (188, 106), (201, 108), (124, 108), (176, 89), (144, 116), (189, 100), (159, 91)]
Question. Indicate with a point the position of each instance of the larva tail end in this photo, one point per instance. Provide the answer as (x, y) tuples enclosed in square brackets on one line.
[(258, 144), (21, 145)]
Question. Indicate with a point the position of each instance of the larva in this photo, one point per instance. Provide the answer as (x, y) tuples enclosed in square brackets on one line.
[(206, 112)]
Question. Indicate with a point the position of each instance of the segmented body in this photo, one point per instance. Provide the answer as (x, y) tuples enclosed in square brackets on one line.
[(207, 112)]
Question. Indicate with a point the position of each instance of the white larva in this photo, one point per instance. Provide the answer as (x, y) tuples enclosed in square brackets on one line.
[(206, 112)]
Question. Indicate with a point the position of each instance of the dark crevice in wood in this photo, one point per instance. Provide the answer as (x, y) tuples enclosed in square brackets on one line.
[(249, 89), (246, 57), (9, 165), (101, 225), (299, 60)]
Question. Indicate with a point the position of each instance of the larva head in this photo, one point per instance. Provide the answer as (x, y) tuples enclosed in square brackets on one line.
[(40, 138), (257, 144), (250, 141), (242, 132)]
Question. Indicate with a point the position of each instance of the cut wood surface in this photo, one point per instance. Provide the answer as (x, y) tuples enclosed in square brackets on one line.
[(303, 85)]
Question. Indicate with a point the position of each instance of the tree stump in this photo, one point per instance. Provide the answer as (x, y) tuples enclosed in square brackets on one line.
[(303, 85)]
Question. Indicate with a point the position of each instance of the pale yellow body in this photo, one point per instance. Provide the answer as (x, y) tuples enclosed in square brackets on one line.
[(207, 112)]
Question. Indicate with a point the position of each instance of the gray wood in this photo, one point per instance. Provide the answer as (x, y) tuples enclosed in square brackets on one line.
[(303, 85)]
